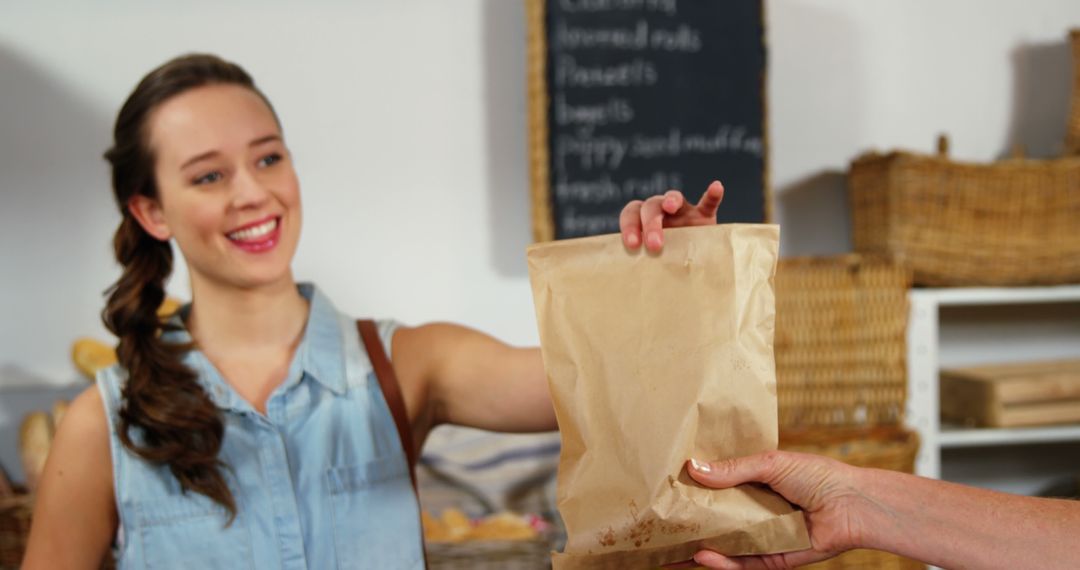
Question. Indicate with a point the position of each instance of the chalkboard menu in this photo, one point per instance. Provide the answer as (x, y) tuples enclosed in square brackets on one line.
[(630, 98)]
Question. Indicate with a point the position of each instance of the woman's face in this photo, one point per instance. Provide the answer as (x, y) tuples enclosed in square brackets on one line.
[(227, 190)]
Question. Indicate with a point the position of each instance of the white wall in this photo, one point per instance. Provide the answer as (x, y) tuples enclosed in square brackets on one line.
[(407, 120), (849, 76)]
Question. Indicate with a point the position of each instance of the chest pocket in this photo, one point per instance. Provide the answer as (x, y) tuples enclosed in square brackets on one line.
[(188, 531), (376, 523)]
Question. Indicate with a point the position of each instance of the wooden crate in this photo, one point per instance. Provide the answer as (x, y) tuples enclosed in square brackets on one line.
[(1010, 395)]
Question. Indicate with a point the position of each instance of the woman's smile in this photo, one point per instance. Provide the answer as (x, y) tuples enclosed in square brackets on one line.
[(257, 237)]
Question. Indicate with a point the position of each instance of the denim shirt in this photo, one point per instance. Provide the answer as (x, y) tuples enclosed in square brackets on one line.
[(320, 481)]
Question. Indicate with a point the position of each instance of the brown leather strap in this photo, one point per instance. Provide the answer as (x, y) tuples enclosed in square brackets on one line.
[(384, 371)]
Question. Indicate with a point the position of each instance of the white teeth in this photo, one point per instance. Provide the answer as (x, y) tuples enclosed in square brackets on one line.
[(254, 232)]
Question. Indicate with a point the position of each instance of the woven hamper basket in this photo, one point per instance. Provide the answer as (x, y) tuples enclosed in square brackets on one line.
[(1072, 134), (840, 344), (883, 447), (15, 515), (840, 341), (14, 529), (490, 555), (1011, 222)]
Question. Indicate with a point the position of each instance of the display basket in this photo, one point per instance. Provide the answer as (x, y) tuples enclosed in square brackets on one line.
[(14, 529), (840, 341), (882, 447), (1006, 223)]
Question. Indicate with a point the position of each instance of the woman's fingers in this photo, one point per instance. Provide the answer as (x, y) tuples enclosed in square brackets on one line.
[(673, 202), (644, 221), (652, 223), (710, 559), (710, 200), (630, 224)]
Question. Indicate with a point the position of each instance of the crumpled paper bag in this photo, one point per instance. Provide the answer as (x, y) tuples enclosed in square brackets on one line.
[(653, 359)]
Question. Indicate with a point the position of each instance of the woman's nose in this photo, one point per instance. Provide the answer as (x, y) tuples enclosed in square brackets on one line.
[(248, 190)]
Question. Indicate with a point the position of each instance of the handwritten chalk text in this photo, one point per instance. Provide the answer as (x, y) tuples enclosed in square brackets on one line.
[(637, 72), (669, 7)]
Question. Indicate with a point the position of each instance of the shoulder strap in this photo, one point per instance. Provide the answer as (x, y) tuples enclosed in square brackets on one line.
[(384, 371)]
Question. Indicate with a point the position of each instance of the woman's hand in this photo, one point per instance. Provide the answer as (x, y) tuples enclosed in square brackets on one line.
[(826, 490), (670, 210)]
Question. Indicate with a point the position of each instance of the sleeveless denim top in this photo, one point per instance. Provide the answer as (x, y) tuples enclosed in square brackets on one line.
[(320, 481)]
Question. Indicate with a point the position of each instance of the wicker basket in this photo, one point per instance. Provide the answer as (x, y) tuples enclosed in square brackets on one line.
[(14, 529), (840, 341), (15, 515), (840, 345), (1011, 222), (490, 555), (883, 447), (1072, 135)]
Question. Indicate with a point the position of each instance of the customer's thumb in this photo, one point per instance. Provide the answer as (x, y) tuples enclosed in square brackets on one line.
[(726, 473)]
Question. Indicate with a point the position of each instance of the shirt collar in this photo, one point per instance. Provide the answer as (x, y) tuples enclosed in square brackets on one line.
[(319, 355)]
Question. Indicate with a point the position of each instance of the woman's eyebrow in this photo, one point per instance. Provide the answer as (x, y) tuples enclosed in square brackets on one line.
[(198, 157), (264, 140), (213, 153)]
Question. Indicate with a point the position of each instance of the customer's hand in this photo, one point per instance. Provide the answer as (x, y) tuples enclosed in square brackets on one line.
[(827, 491), (669, 210)]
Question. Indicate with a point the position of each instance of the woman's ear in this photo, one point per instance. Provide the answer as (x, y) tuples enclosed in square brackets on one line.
[(147, 211)]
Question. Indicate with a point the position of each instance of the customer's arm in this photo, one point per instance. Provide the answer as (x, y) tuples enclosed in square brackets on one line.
[(941, 523)]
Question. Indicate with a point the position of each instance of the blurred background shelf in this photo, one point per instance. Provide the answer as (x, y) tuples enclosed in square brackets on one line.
[(997, 295), (951, 436), (950, 327)]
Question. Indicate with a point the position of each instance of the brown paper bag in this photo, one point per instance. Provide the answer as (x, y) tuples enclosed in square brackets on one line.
[(651, 360)]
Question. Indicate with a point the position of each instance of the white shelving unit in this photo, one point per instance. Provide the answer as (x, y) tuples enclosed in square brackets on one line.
[(953, 436), (927, 351)]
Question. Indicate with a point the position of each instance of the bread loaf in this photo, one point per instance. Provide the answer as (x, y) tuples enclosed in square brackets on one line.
[(59, 408), (168, 307), (91, 355), (35, 436), (454, 526)]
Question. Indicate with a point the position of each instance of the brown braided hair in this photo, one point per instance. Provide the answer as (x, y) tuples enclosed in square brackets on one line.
[(177, 422)]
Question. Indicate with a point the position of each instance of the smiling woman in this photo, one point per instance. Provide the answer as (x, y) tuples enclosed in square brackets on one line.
[(247, 430)]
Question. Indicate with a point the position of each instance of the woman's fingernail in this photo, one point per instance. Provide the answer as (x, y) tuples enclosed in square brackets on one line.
[(632, 240), (700, 466), (654, 239)]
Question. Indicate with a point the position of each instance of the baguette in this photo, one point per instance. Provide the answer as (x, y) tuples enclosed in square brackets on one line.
[(35, 437), (91, 355), (168, 307), (59, 408)]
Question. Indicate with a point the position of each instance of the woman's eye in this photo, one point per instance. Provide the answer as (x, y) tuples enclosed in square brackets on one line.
[(269, 159), (208, 178)]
